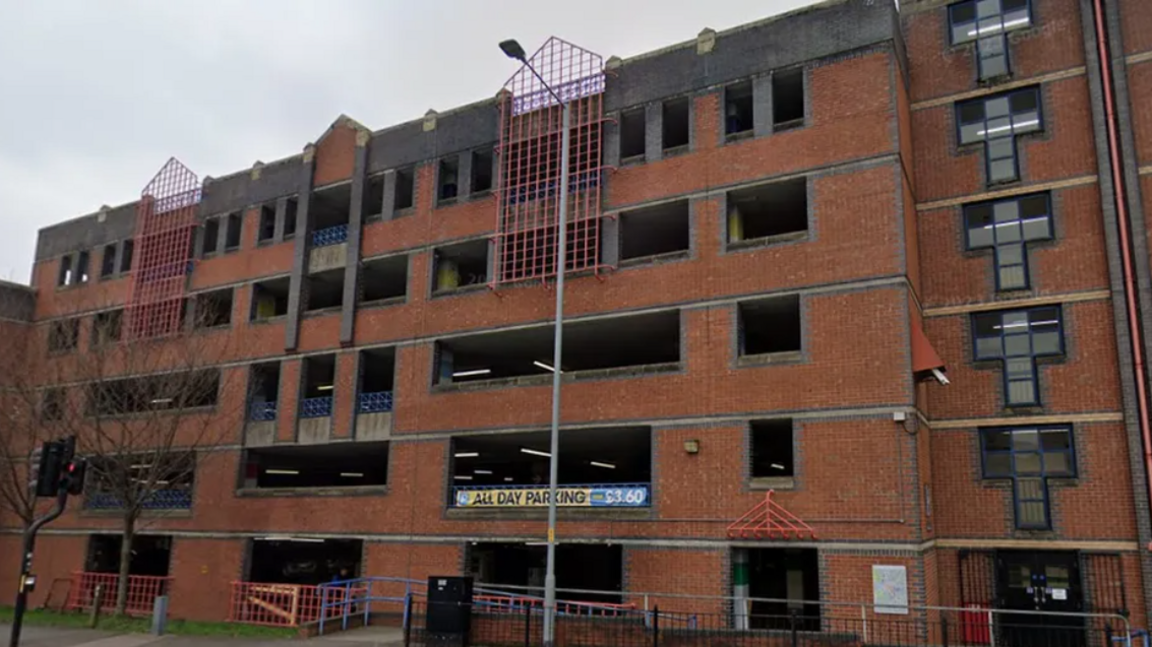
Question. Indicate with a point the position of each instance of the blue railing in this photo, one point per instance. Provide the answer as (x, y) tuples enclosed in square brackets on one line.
[(316, 407), (596, 495), (375, 402), (349, 598), (262, 411), (330, 236), (576, 182), (174, 499)]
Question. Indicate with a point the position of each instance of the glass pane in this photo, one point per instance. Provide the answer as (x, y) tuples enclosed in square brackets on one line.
[(1018, 19), (1029, 489), (987, 347), (971, 112), (1034, 205), (962, 33), (1013, 277), (998, 440), (996, 107), (987, 325), (1000, 148), (1024, 101), (1041, 317), (1037, 228), (1028, 464), (992, 64), (1021, 392), (1015, 321), (1026, 440), (1055, 439), (964, 11), (1019, 576), (1010, 5), (1017, 346), (1010, 254), (1018, 369), (1046, 343), (1006, 211), (1007, 232), (980, 236), (1032, 515), (978, 215), (1026, 122), (997, 465), (1002, 170), (1057, 464), (972, 132), (985, 8), (1057, 577)]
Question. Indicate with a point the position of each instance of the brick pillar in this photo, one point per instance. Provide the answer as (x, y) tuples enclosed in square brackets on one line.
[(289, 401), (344, 399)]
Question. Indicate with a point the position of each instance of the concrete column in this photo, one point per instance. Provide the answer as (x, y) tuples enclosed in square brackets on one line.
[(355, 231), (222, 233), (612, 142), (762, 105), (464, 176), (740, 576), (281, 212), (610, 240), (653, 132), (388, 210), (300, 252)]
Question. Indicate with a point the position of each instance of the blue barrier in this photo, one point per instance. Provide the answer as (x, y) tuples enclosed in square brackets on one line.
[(316, 407), (375, 402), (330, 236), (262, 411)]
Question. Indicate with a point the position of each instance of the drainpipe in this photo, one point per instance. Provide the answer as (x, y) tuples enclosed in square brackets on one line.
[(1126, 249)]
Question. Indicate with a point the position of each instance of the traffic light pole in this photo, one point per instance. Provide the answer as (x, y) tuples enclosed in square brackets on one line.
[(26, 564)]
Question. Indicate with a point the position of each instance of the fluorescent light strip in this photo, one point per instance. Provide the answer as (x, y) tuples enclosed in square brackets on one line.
[(352, 475), (161, 400), (535, 452), (484, 472), (609, 466), (283, 472), (467, 454), (326, 387), (777, 466), (507, 479), (479, 371), (544, 366), (461, 477)]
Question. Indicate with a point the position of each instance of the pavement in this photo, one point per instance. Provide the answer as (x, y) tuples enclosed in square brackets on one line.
[(32, 636)]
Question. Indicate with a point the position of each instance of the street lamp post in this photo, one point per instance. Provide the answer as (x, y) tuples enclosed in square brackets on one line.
[(513, 50)]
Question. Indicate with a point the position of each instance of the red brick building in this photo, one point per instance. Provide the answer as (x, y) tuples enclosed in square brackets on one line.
[(787, 237)]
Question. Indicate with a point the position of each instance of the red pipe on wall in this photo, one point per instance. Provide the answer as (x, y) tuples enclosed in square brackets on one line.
[(1125, 244)]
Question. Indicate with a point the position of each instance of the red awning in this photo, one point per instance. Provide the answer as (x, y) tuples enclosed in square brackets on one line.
[(924, 357)]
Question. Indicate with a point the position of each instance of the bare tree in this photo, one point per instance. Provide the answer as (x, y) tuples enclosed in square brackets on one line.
[(20, 427), (146, 403)]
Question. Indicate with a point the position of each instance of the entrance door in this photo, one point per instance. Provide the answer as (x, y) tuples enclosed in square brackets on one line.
[(1040, 581)]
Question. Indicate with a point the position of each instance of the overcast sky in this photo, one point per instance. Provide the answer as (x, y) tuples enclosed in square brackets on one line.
[(96, 96)]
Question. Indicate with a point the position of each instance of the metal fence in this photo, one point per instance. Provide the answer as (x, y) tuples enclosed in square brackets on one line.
[(142, 591)]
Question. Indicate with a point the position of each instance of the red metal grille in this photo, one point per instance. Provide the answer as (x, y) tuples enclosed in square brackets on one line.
[(769, 520), (530, 145), (165, 218), (142, 591)]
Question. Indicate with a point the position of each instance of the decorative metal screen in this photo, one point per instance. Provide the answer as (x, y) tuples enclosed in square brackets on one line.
[(530, 145)]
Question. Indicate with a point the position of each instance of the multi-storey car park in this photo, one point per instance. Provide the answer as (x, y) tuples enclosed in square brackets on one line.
[(784, 239)]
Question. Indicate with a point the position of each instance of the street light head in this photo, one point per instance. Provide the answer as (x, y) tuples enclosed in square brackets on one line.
[(512, 49)]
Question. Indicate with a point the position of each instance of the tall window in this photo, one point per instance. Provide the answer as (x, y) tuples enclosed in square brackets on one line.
[(1018, 338), (988, 22), (1029, 456), (1006, 226), (996, 120)]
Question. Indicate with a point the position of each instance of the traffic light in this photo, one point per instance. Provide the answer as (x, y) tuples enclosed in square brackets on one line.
[(48, 468), (34, 469), (73, 479)]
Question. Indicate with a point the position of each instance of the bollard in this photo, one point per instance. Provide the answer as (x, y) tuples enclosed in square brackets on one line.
[(97, 601), (159, 614)]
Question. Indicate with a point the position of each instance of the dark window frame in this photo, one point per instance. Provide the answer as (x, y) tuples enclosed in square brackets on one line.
[(1014, 473), (1004, 358), (996, 245), (1001, 40), (1014, 130)]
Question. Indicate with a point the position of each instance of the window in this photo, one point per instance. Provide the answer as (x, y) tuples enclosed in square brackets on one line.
[(63, 335), (653, 231), (996, 121), (82, 267), (384, 278), (1018, 338), (374, 197), (317, 466), (1007, 226), (676, 123), (632, 133), (481, 171), (405, 188), (213, 309), (460, 265), (769, 325), (126, 256), (232, 234), (106, 327), (52, 405), (264, 391), (270, 298), (988, 22), (211, 237), (319, 385), (158, 481), (172, 391), (447, 187), (267, 223), (325, 290), (768, 210), (787, 99), (1029, 456), (65, 275), (738, 108), (290, 217), (108, 261), (772, 449)]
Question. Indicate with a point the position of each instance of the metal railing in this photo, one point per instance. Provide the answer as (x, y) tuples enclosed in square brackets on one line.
[(166, 499), (330, 236), (377, 402), (360, 597), (142, 591), (262, 411), (316, 407), (284, 605)]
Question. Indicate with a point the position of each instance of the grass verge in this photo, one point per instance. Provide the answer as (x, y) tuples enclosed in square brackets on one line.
[(123, 624)]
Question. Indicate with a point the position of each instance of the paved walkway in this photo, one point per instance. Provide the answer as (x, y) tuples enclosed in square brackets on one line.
[(56, 637)]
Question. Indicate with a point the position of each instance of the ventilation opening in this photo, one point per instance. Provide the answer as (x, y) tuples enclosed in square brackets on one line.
[(267, 223), (405, 188), (520, 565), (63, 335), (772, 449), (461, 265), (788, 99), (447, 179), (106, 326), (270, 298), (325, 290), (150, 555), (290, 210), (318, 466), (213, 309), (481, 171), (65, 275), (330, 206), (770, 326), (264, 391), (619, 342), (232, 233), (289, 560), (170, 391), (126, 258), (768, 210), (211, 237), (632, 134), (790, 577), (652, 231), (82, 261), (384, 278), (738, 108), (108, 261), (374, 197), (676, 123)]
